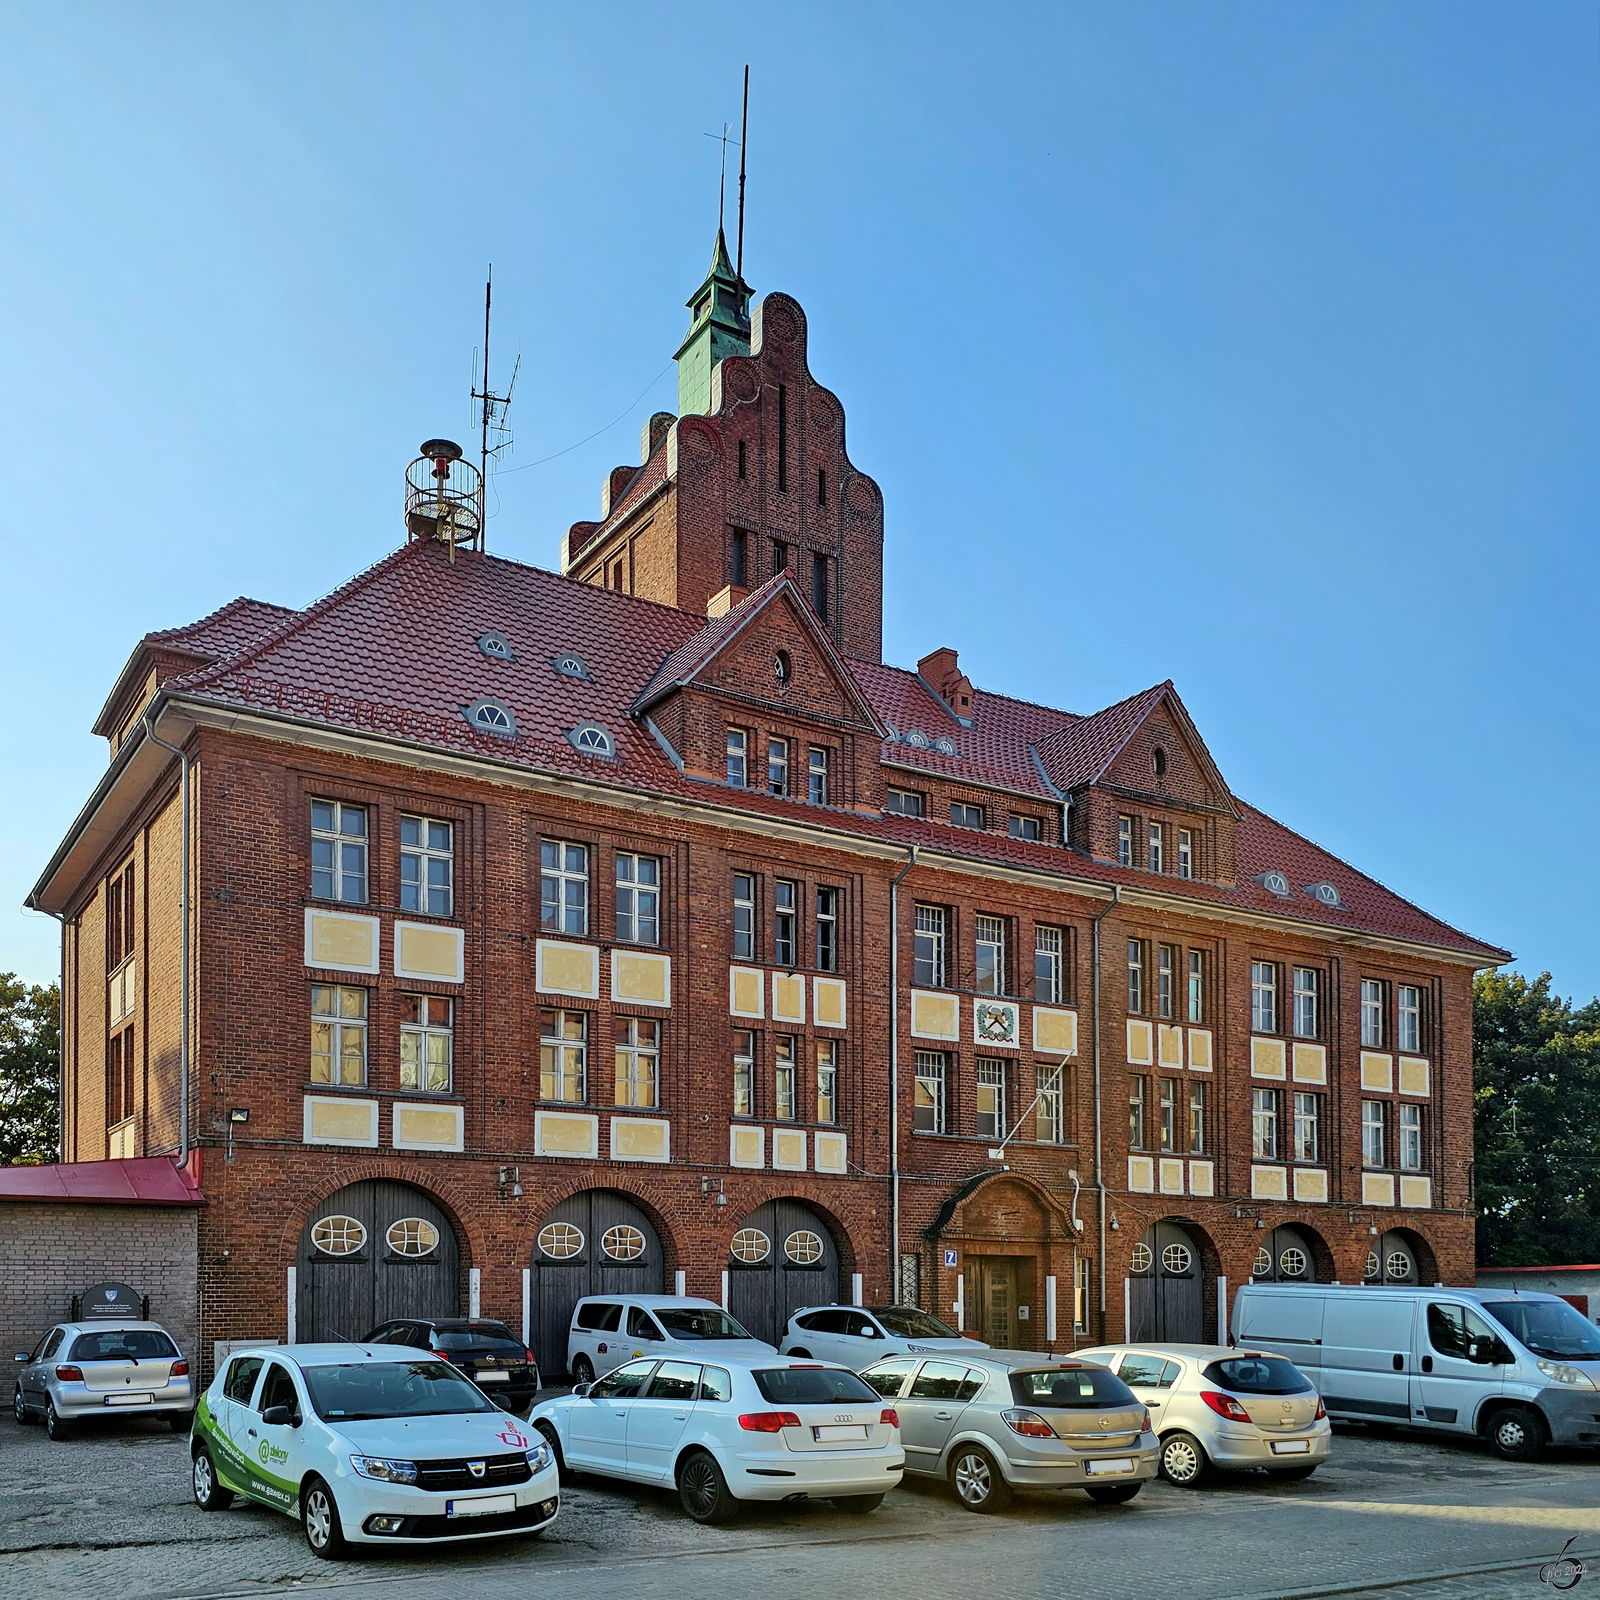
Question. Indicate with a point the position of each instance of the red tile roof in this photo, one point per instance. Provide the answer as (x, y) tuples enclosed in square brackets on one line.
[(235, 627), (140, 1181)]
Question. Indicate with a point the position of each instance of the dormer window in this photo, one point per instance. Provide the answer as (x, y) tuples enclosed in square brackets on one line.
[(1274, 882), (491, 716), (570, 665), (592, 740), (496, 646)]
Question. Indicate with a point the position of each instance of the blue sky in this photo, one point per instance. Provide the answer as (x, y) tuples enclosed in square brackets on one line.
[(1247, 344)]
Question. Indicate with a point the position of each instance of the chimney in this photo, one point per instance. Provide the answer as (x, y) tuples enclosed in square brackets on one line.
[(941, 671)]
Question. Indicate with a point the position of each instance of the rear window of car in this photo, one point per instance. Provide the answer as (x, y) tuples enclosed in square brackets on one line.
[(118, 1344), (811, 1386), (600, 1317), (1257, 1375), (489, 1338), (1071, 1387)]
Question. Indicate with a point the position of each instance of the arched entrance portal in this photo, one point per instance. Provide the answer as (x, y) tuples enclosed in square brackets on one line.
[(370, 1252), (595, 1242), (1399, 1256), (782, 1257), (1287, 1255), (1169, 1279)]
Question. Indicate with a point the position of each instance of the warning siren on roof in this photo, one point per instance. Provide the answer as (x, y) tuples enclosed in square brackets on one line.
[(444, 497)]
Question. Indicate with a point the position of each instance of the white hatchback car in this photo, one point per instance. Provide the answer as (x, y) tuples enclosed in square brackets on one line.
[(1215, 1407), (856, 1336), (757, 1428), (608, 1329), (367, 1447)]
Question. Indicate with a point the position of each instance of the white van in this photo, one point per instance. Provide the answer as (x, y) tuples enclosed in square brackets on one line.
[(1520, 1370), (608, 1329)]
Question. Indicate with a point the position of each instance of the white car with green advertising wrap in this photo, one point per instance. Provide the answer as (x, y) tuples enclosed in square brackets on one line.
[(366, 1447)]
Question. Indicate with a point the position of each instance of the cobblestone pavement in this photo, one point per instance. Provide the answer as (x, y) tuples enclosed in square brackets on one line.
[(109, 1514)]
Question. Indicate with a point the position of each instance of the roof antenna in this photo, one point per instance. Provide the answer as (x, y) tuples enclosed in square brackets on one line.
[(744, 132), (493, 412)]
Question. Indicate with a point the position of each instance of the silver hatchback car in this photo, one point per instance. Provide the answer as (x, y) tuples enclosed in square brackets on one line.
[(80, 1370), (994, 1421)]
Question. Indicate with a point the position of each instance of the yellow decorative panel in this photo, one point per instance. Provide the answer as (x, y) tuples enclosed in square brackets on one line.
[(1141, 1174), (1202, 1178), (828, 1002), (1310, 1183), (789, 1149), (1377, 1189), (641, 979), (829, 1152), (1267, 1058), (123, 991), (788, 997), (1310, 1063), (424, 950), (1377, 1071), (341, 940), (747, 992), (1199, 1049), (1141, 1043), (568, 969), (331, 1119), (120, 1143), (640, 1139), (1055, 1033), (935, 1016), (1269, 1183), (1171, 1175), (1413, 1075), (566, 1133), (747, 1147), (427, 1127), (1169, 1041), (1416, 1193)]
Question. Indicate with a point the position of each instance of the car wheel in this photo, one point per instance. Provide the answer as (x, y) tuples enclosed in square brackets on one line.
[(858, 1505), (582, 1370), (1294, 1474), (54, 1425), (1115, 1494), (805, 1353), (319, 1516), (209, 1494), (703, 1491), (564, 1474), (1184, 1462), (19, 1410), (1518, 1434), (978, 1482)]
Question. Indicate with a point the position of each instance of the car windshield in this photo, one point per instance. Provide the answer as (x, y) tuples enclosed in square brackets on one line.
[(907, 1323), (698, 1322), (363, 1391), (811, 1386), (122, 1344), (1548, 1328), (484, 1338), (1257, 1375), (1071, 1387)]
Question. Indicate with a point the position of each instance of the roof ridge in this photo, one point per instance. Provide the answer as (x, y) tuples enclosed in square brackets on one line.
[(988, 694), (578, 583), (168, 635)]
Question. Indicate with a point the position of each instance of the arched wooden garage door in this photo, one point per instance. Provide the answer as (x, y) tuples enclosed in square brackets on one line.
[(1167, 1287), (1287, 1255), (782, 1257), (374, 1251), (1399, 1256), (595, 1242)]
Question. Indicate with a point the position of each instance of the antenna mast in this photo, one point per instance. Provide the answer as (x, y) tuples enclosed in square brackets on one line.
[(744, 134), (491, 400)]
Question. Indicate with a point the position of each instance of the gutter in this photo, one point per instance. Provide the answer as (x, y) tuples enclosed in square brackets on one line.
[(894, 1076), (1099, 1148)]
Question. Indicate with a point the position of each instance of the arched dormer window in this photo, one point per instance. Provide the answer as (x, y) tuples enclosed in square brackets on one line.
[(592, 740), (491, 716)]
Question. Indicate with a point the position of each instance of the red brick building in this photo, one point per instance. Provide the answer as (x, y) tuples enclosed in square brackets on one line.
[(638, 927)]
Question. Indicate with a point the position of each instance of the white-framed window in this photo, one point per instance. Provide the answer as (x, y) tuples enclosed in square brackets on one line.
[(928, 948), (1124, 841), (1264, 996), (777, 766), (1050, 1111), (991, 1099), (744, 917), (785, 1077), (991, 955), (339, 851), (827, 930), (1025, 827), (638, 1061), (1372, 1013), (1307, 1003), (1374, 1116), (1197, 986), (1156, 860), (1197, 1117), (738, 758), (928, 1092), (426, 1042), (638, 898), (1171, 1109), (827, 1080), (903, 803), (744, 1072), (1185, 853), (1308, 1127), (1264, 1124), (564, 886), (785, 918), (817, 776), (338, 1034), (1136, 976), (966, 816), (1408, 1018), (1409, 1129), (1166, 980), (1048, 989), (564, 1056), (1138, 1104), (427, 866)]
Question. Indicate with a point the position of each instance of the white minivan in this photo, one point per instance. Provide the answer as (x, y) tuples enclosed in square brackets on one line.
[(1520, 1370), (608, 1329)]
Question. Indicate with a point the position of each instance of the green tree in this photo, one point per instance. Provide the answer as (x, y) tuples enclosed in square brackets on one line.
[(1538, 1123), (30, 1072)]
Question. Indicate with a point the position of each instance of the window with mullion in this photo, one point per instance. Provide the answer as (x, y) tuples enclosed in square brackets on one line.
[(785, 1078), (1307, 1003), (1408, 1018), (1170, 1111), (827, 1080), (1166, 981), (785, 921), (1136, 976), (1372, 1034), (991, 955), (426, 1042), (1048, 988), (928, 1099), (1409, 1138), (827, 930), (744, 916), (1138, 1102), (1374, 1130), (338, 1034), (638, 899), (1050, 1109), (564, 1056), (817, 776), (339, 851), (928, 948), (427, 866), (744, 1069), (777, 766), (638, 1060), (1263, 997), (564, 886), (1197, 986), (991, 1086), (1264, 1124), (1308, 1127)]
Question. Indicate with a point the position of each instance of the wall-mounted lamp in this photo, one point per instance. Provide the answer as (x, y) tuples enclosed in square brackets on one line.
[(1116, 1227), (238, 1113), (713, 1187), (510, 1181)]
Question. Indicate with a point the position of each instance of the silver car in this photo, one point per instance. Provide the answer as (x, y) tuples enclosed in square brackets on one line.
[(994, 1421), (1221, 1408), (90, 1369), (856, 1335)]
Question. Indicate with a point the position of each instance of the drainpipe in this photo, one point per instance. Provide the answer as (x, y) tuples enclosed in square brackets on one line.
[(183, 917), (1099, 1165), (894, 1076)]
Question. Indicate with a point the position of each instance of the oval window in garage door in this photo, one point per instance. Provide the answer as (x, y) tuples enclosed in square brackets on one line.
[(338, 1236)]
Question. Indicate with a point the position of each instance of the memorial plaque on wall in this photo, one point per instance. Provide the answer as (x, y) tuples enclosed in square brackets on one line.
[(108, 1300)]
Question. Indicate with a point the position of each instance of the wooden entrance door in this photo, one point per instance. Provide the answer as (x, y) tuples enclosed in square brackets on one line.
[(1167, 1288), (999, 1296)]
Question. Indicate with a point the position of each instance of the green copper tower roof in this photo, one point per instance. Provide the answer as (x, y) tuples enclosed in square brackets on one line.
[(719, 326)]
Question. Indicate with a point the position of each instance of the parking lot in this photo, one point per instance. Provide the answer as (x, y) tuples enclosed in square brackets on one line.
[(109, 1513)]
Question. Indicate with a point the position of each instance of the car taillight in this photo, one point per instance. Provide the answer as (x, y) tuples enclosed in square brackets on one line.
[(1225, 1405), (180, 1369), (533, 1360), (70, 1374), (1028, 1423), (889, 1417), (1147, 1425), (768, 1421), (441, 1355), (1322, 1412)]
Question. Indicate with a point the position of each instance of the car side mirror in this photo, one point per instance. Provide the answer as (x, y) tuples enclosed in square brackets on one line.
[(21, 1355), (280, 1417), (582, 1390)]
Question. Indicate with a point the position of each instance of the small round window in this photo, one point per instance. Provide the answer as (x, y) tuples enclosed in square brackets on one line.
[(1141, 1258), (751, 1245), (1398, 1264), (803, 1247), (622, 1243), (1294, 1262), (1176, 1258), (560, 1240), (413, 1236), (1263, 1266), (338, 1236), (1374, 1266)]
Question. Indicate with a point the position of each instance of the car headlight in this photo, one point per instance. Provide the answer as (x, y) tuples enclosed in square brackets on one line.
[(384, 1470), (540, 1457), (1557, 1373)]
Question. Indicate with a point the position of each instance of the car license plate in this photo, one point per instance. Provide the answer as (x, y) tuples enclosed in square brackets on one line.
[(1096, 1468), (485, 1506), (1290, 1447), (829, 1434), (129, 1400), (494, 1377)]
